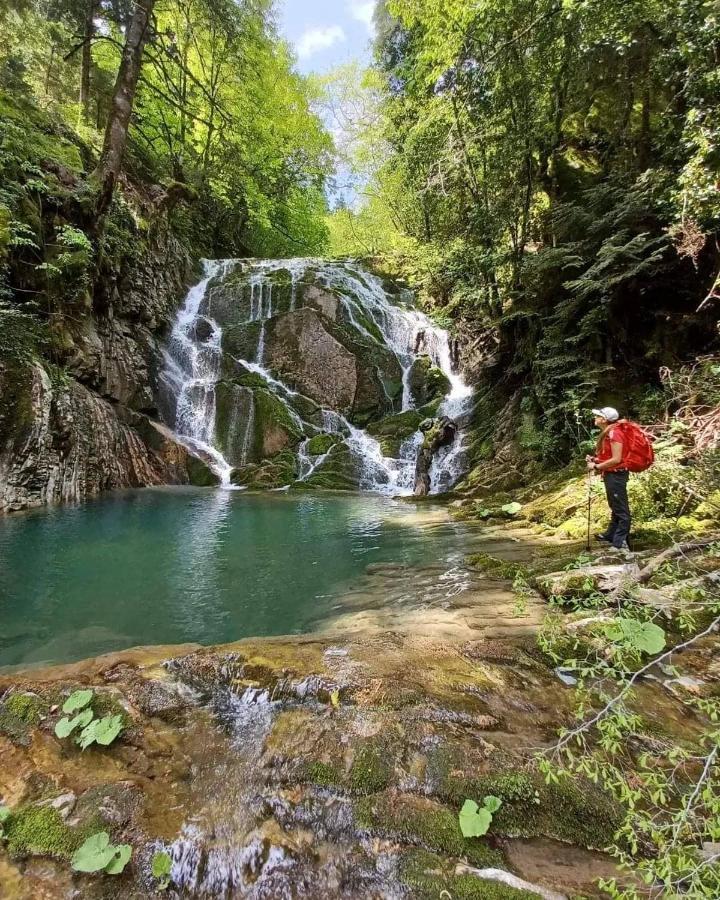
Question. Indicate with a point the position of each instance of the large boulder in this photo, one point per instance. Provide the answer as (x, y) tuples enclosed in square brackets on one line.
[(252, 423), (305, 354), (426, 381)]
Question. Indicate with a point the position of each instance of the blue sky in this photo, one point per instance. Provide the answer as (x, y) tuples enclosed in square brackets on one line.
[(327, 33)]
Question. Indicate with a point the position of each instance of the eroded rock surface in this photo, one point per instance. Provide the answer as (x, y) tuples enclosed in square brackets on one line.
[(316, 768), (69, 432)]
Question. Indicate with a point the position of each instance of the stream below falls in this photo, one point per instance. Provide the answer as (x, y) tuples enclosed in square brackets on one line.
[(174, 565)]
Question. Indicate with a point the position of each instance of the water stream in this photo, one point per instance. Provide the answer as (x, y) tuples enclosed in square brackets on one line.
[(170, 565), (194, 356)]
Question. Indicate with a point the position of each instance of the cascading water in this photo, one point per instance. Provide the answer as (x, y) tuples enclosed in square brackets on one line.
[(192, 368), (194, 359)]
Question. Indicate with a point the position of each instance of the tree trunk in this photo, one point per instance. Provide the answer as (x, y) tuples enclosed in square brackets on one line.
[(86, 61), (116, 131)]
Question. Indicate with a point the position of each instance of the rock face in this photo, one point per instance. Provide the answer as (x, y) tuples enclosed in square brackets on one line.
[(69, 433), (243, 762), (438, 433), (306, 355)]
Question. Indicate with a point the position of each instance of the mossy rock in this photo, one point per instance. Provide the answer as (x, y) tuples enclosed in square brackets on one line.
[(321, 444), (337, 472), (430, 876), (371, 769), (240, 342), (426, 381), (421, 822), (19, 714), (200, 474), (279, 471), (498, 568), (572, 811), (393, 430), (35, 830)]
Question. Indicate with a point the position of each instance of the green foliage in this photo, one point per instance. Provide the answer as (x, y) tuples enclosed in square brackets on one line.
[(101, 726), (641, 637), (66, 726), (77, 700), (101, 731), (475, 820), (161, 869), (511, 509), (98, 854), (4, 816)]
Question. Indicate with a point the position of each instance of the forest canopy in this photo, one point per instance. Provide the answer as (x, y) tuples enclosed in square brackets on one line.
[(550, 169), (219, 116)]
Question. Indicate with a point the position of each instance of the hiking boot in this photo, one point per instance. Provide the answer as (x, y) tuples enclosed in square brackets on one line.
[(623, 550), (605, 538)]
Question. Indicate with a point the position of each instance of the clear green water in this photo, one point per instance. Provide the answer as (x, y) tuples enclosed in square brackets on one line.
[(175, 565)]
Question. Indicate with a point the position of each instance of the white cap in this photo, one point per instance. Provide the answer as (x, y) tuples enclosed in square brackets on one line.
[(607, 412)]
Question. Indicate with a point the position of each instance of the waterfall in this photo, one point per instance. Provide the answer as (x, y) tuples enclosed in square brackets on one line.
[(194, 357), (192, 367)]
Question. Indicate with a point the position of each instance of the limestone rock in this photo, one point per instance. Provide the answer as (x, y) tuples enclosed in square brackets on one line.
[(426, 381), (65, 443), (305, 353), (578, 582)]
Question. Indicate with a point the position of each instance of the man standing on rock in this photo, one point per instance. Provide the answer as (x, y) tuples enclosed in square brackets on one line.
[(609, 463)]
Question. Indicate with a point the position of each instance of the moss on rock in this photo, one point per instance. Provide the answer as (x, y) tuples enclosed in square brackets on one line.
[(337, 472), (34, 830), (429, 876), (498, 568), (322, 443), (371, 770), (422, 822)]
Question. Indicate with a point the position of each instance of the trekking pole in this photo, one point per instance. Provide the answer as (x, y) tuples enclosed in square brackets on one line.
[(589, 487)]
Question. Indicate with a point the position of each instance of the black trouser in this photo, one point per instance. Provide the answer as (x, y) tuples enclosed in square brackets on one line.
[(617, 498)]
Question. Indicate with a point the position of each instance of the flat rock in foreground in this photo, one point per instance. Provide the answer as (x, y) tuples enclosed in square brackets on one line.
[(313, 767)]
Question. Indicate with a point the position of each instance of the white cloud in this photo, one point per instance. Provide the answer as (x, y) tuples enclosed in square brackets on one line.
[(315, 39), (363, 10)]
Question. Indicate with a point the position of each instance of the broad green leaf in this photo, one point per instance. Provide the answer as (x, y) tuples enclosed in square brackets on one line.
[(66, 726), (645, 637), (95, 854), (474, 821), (87, 735), (491, 803), (123, 852), (4, 813), (77, 700), (107, 729), (162, 868), (512, 509)]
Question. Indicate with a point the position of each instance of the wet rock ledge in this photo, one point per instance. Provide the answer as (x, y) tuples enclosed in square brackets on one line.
[(304, 768)]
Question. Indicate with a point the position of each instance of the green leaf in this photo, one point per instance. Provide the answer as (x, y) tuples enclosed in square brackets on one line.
[(77, 700), (161, 868), (123, 852), (491, 803), (87, 735), (107, 729), (95, 854), (101, 731), (4, 813), (474, 821), (644, 637), (66, 726), (512, 509)]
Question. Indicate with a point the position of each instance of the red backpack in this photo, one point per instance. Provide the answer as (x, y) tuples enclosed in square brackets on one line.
[(638, 452)]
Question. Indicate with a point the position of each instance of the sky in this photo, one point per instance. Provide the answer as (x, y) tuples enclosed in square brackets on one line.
[(327, 33)]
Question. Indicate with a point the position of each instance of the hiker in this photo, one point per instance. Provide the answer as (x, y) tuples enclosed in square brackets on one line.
[(609, 462)]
